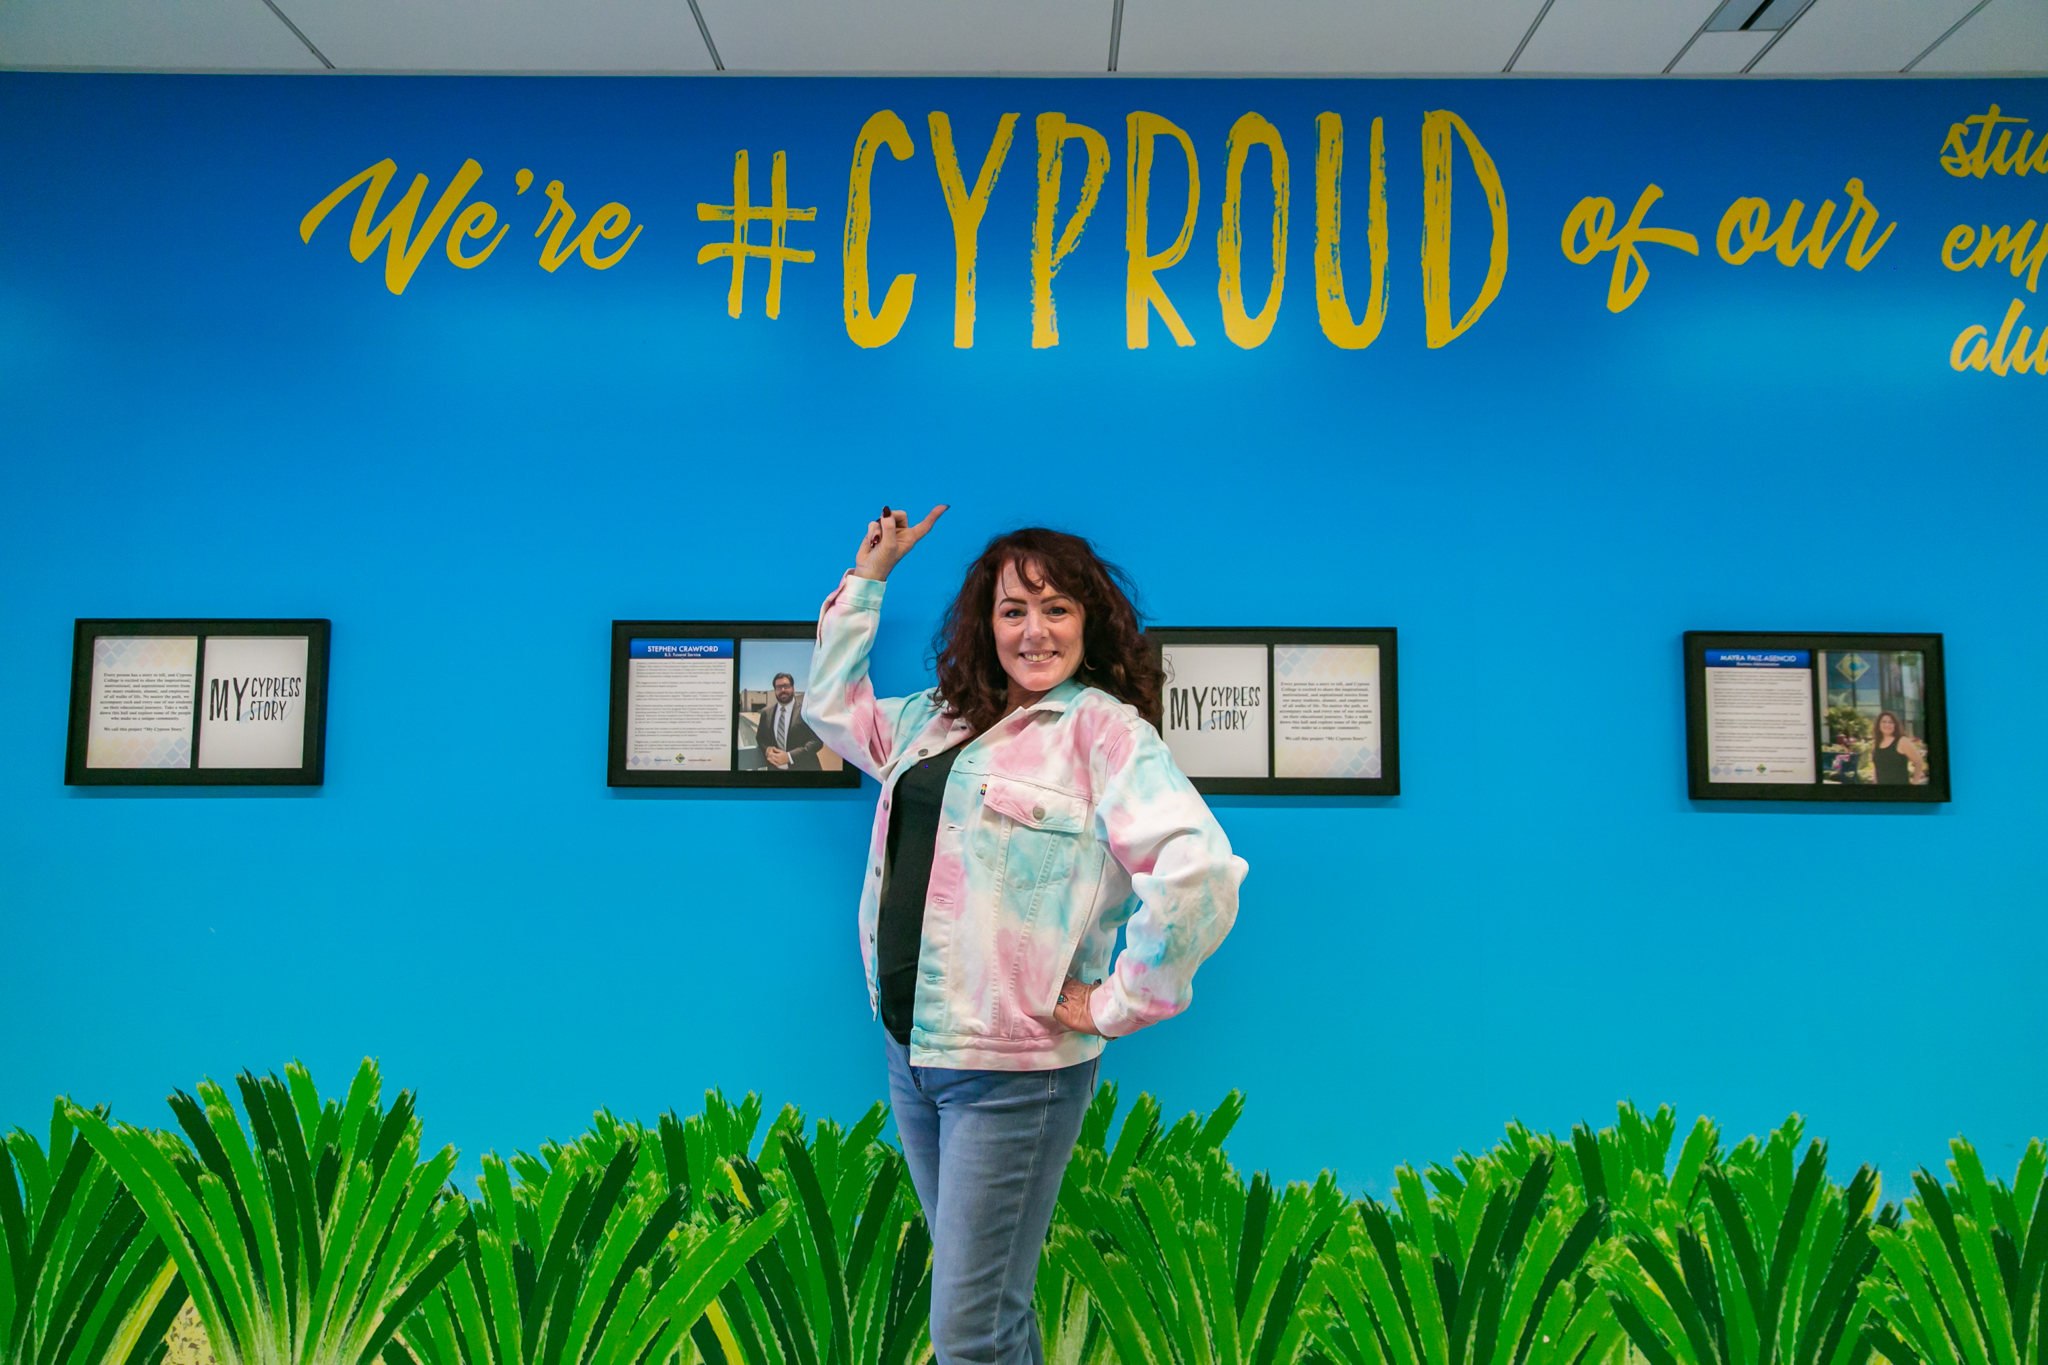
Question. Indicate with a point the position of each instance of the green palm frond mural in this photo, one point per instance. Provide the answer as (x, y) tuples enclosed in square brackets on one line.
[(847, 1280), (1967, 1273), (83, 1279), (591, 1255), (1766, 1272), (1161, 1241), (318, 1234), (1481, 1275), (311, 1243)]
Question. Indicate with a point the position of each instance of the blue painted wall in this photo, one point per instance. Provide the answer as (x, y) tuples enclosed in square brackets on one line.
[(204, 416)]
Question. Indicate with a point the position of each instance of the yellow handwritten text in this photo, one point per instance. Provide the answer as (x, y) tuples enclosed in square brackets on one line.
[(740, 212), (1332, 309), (1746, 229), (1142, 291), (2003, 244), (1589, 231), (966, 211), (1241, 327), (1054, 133), (474, 223), (1960, 157), (1974, 348), (608, 222), (883, 129), (403, 249), (1437, 128)]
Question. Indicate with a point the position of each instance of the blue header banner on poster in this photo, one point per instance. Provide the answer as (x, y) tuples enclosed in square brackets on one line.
[(680, 649), (1757, 658)]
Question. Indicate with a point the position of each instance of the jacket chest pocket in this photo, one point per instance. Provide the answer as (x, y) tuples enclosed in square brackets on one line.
[(1046, 831)]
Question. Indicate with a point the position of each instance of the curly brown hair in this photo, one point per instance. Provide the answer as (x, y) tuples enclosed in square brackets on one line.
[(1116, 656)]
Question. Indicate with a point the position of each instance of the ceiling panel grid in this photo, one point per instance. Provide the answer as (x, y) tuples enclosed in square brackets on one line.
[(910, 35), (1226, 37), (1722, 54), (1366, 37), (2008, 36), (192, 35), (501, 35), (1838, 37), (1611, 37)]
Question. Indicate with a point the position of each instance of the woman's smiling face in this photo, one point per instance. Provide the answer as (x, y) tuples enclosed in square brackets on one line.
[(1038, 632)]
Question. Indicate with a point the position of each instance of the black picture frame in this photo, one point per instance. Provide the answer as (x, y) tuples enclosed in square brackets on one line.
[(1388, 783), (312, 769), (618, 774), (1934, 702)]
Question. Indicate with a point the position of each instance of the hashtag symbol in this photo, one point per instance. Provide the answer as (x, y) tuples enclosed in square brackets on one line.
[(741, 212)]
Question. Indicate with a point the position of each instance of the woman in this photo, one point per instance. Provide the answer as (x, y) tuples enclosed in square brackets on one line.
[(1892, 753), (1028, 811)]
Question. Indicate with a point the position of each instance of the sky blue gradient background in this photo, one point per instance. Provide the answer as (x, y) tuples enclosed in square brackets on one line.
[(204, 416)]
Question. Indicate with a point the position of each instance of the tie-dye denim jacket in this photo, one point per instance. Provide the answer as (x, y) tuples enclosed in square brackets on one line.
[(1064, 822)]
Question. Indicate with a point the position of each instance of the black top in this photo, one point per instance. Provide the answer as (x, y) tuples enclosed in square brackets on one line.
[(913, 832), (1894, 769)]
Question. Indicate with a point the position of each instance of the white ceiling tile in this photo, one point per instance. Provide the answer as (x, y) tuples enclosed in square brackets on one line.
[(1336, 36), (1861, 35), (215, 35), (1597, 37), (2009, 35), (501, 35), (1722, 52), (910, 35)]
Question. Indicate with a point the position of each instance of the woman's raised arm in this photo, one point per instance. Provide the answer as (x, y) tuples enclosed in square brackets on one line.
[(840, 703)]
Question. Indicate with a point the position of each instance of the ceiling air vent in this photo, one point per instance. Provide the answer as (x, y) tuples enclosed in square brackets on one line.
[(1754, 16)]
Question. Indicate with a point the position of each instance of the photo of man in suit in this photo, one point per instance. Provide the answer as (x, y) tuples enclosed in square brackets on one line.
[(784, 740)]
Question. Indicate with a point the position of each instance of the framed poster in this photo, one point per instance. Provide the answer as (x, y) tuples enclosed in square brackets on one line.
[(1302, 712), (716, 704), (198, 703), (1815, 716)]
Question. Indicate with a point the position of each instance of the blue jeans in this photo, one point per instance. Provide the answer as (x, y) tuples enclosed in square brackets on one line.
[(986, 1151)]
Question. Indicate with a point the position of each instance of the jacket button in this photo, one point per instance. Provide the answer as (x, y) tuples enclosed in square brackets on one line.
[(878, 872), (922, 752), (1038, 812)]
